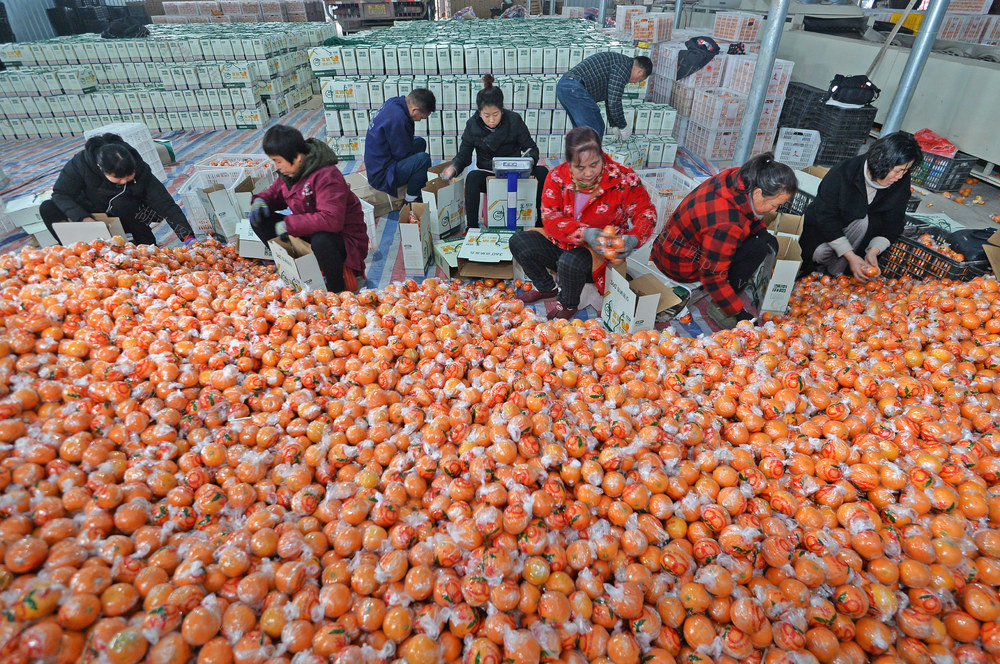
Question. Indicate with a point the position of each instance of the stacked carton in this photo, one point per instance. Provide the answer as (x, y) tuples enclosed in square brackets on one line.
[(711, 102), (240, 11), (181, 77), (450, 59), (965, 21)]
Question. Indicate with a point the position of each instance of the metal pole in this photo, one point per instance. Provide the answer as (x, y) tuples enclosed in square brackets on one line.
[(761, 77), (600, 13), (678, 9), (915, 65)]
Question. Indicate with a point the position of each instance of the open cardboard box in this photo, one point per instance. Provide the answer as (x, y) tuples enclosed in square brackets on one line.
[(296, 263), (446, 202), (771, 286), (381, 201), (249, 245), (992, 249), (24, 210), (634, 295), (415, 238), (446, 256), (485, 254), (810, 177), (230, 205), (102, 228), (784, 224)]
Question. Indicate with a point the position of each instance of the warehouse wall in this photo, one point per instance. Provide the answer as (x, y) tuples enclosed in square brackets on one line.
[(28, 19)]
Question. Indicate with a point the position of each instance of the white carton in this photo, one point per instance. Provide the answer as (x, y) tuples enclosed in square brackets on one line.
[(446, 202), (102, 228), (415, 237), (250, 245), (773, 283), (633, 295), (296, 263), (23, 211), (498, 199)]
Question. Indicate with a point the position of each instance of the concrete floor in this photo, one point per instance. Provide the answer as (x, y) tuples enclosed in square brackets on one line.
[(967, 214)]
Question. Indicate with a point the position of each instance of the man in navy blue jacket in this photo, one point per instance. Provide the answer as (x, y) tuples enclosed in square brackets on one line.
[(393, 157)]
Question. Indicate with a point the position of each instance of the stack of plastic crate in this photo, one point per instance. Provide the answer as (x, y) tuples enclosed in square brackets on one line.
[(991, 33), (624, 17), (843, 131), (652, 28)]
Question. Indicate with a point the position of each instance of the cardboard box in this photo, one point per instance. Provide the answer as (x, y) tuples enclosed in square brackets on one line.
[(250, 245), (772, 284), (102, 228), (380, 201), (633, 296), (446, 202), (992, 249), (296, 263), (809, 178), (485, 254), (498, 199), (415, 238), (41, 234), (228, 205), (446, 256), (785, 225), (24, 210)]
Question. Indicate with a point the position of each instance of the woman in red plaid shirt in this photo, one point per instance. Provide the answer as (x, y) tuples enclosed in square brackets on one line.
[(717, 235), (582, 195)]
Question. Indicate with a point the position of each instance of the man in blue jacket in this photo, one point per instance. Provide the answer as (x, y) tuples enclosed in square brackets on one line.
[(393, 157)]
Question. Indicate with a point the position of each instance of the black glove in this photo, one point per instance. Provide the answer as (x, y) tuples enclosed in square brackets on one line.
[(258, 211), (743, 314)]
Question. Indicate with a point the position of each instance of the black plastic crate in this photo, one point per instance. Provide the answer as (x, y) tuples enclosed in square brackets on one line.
[(798, 204), (912, 204), (833, 151), (845, 124), (939, 173), (908, 257), (802, 104)]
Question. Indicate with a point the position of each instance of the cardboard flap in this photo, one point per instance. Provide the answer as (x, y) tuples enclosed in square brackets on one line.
[(486, 246), (785, 224), (789, 249), (295, 247), (995, 238), (993, 255), (648, 284), (478, 270)]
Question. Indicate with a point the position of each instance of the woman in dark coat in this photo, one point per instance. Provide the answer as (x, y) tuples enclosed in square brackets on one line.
[(493, 131), (109, 177), (860, 208)]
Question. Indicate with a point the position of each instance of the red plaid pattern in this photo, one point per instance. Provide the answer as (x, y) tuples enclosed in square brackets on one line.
[(699, 239)]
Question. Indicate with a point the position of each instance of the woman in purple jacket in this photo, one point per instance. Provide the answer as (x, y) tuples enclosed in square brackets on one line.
[(323, 208)]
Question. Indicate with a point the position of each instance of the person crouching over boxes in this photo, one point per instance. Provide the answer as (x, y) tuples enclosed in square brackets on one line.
[(323, 208)]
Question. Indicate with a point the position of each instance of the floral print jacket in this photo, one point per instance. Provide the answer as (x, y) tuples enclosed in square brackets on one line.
[(620, 200)]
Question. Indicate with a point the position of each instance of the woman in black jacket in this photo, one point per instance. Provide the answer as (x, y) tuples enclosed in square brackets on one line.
[(109, 177), (493, 131), (860, 208)]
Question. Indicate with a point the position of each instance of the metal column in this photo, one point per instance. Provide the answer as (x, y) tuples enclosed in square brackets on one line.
[(915, 65), (600, 13), (761, 77), (678, 10)]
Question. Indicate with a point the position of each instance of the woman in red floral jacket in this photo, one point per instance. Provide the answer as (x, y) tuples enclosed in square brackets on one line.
[(583, 195)]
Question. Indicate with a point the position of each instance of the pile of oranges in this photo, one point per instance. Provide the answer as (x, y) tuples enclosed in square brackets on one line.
[(199, 465), (941, 247)]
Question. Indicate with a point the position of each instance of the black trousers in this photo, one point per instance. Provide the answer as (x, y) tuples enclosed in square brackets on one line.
[(122, 207), (538, 255), (748, 257), (328, 248), (475, 187)]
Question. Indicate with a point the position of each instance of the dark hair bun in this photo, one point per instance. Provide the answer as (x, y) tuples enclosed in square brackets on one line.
[(488, 81)]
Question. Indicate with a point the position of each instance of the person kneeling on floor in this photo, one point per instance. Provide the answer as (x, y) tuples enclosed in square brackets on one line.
[(717, 234), (323, 209), (582, 196), (109, 177)]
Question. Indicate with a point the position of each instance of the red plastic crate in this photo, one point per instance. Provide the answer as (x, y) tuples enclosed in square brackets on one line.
[(718, 108), (737, 26), (740, 69)]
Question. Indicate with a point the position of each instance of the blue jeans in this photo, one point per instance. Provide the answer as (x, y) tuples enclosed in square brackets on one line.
[(412, 171), (582, 109)]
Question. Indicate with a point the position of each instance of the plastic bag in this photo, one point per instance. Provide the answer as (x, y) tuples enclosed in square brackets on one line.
[(931, 141), (465, 13)]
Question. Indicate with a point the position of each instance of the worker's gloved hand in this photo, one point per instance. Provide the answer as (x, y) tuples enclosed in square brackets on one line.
[(448, 173), (622, 133), (743, 314), (631, 242), (258, 211), (591, 236)]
